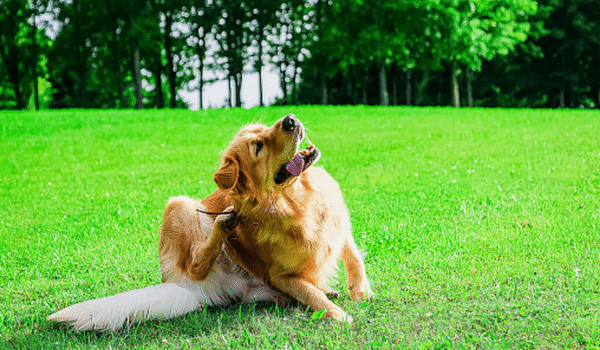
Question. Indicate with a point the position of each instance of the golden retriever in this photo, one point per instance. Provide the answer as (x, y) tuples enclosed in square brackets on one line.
[(274, 229)]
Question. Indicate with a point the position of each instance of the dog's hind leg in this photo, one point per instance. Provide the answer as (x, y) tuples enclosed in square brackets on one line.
[(204, 254), (183, 227), (332, 294)]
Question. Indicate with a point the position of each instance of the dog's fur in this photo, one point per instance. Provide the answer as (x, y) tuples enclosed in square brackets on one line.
[(283, 239)]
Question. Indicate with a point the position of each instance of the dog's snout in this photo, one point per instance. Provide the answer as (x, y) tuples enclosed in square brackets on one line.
[(289, 123)]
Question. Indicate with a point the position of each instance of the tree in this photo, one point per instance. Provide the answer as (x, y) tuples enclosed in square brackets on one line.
[(110, 53), (571, 54), (35, 11), (14, 31), (481, 30), (233, 39), (262, 20), (71, 54), (109, 73), (359, 37), (334, 50), (175, 44), (288, 41), (98, 54), (201, 16), (554, 67), (138, 21)]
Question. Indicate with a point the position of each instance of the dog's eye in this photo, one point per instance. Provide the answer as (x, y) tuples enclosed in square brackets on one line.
[(259, 146)]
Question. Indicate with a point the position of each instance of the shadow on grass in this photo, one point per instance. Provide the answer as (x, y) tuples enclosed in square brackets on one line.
[(208, 322)]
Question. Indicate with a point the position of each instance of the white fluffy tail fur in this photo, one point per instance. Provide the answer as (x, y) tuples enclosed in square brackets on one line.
[(160, 301)]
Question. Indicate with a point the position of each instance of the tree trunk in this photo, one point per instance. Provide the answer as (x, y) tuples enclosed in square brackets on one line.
[(383, 92), (424, 79), (282, 81), (260, 87), (170, 65), (409, 87), (440, 97), (158, 98), (159, 101), (470, 87), (323, 85), (363, 88), (351, 86), (81, 97), (229, 77), (294, 77), (238, 89), (394, 85), (321, 71), (11, 62), (17, 90), (122, 101), (201, 82), (455, 87), (260, 65), (562, 97), (596, 95), (135, 57), (137, 76), (365, 99), (120, 71), (36, 95)]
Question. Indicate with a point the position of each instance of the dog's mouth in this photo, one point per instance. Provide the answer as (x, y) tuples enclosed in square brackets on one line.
[(300, 162)]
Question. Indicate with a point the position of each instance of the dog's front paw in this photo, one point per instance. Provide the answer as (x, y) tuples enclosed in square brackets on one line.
[(227, 220), (360, 291), (339, 315)]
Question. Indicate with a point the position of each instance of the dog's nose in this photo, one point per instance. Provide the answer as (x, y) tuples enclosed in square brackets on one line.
[(289, 123)]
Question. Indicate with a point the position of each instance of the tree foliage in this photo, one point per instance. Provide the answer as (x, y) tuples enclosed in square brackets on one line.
[(22, 44), (142, 53)]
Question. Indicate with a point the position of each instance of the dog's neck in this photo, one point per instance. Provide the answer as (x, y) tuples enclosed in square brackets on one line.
[(276, 203), (272, 204)]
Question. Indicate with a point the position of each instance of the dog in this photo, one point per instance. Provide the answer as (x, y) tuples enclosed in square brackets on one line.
[(273, 230)]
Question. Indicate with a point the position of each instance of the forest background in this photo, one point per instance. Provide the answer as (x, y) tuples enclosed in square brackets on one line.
[(149, 53)]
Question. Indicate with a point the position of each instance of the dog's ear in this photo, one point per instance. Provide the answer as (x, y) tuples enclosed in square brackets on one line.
[(227, 176)]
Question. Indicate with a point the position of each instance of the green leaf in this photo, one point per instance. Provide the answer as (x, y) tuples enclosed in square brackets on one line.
[(318, 314)]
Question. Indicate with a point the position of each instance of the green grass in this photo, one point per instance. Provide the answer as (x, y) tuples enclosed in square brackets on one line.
[(480, 226)]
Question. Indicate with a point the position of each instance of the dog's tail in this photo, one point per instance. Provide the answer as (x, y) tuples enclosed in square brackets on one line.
[(112, 313)]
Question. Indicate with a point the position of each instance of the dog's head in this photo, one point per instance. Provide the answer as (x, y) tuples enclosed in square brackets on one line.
[(261, 160)]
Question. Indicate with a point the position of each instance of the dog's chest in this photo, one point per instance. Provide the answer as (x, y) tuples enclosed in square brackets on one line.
[(279, 234), (289, 246)]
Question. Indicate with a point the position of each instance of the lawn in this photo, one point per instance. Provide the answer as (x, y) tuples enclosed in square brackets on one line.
[(481, 227)]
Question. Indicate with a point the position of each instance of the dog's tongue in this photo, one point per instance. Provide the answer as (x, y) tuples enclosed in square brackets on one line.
[(296, 165)]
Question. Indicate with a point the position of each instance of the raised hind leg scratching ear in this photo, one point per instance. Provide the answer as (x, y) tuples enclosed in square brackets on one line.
[(204, 254)]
